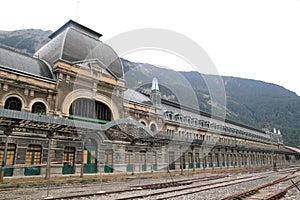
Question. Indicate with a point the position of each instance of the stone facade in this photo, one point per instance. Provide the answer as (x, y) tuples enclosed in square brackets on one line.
[(71, 101)]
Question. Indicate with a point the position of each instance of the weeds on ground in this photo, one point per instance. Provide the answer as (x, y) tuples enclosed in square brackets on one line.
[(87, 181)]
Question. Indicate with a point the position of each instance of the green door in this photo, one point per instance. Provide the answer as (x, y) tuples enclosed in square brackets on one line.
[(10, 157), (32, 170), (108, 167), (143, 160), (68, 161), (191, 160), (90, 160), (197, 160), (223, 160), (33, 158), (154, 161), (129, 161)]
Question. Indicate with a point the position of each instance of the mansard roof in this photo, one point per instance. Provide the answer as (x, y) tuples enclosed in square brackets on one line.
[(22, 63), (136, 97), (74, 43)]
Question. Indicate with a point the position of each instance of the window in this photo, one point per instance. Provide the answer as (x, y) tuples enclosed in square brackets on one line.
[(142, 122), (154, 161), (201, 123), (39, 108), (33, 155), (170, 116), (153, 127), (188, 121), (89, 110), (69, 156), (178, 118), (13, 103), (129, 157), (108, 167), (143, 160), (68, 160), (11, 148), (129, 161), (89, 154)]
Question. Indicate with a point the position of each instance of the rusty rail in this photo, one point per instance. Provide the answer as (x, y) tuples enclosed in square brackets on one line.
[(282, 193), (177, 183), (188, 188), (138, 188), (255, 190)]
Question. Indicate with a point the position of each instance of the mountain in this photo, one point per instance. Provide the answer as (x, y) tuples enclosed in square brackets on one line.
[(255, 103), (26, 40)]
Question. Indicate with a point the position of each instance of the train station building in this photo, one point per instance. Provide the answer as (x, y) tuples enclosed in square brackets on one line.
[(67, 110)]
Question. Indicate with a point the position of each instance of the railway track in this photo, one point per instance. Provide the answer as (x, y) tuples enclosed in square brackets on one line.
[(173, 189), (176, 192), (208, 187), (163, 193), (282, 192), (269, 191), (139, 188), (257, 193), (177, 183)]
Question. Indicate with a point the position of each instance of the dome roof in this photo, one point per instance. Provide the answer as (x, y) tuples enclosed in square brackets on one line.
[(75, 43), (19, 62)]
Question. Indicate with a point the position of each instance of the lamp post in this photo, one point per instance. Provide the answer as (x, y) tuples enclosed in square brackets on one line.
[(181, 161), (168, 160), (82, 159), (7, 132), (50, 136)]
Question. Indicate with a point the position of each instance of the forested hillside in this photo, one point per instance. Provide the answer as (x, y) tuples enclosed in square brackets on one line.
[(255, 103), (250, 102)]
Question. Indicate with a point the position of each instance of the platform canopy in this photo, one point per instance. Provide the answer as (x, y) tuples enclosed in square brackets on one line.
[(122, 129)]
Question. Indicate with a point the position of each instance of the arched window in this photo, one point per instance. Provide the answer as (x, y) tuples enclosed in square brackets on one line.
[(90, 110), (39, 107), (169, 115), (153, 127), (188, 121), (142, 122), (13, 103)]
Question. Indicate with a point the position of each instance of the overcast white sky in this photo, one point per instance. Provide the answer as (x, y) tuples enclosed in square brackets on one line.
[(256, 39)]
